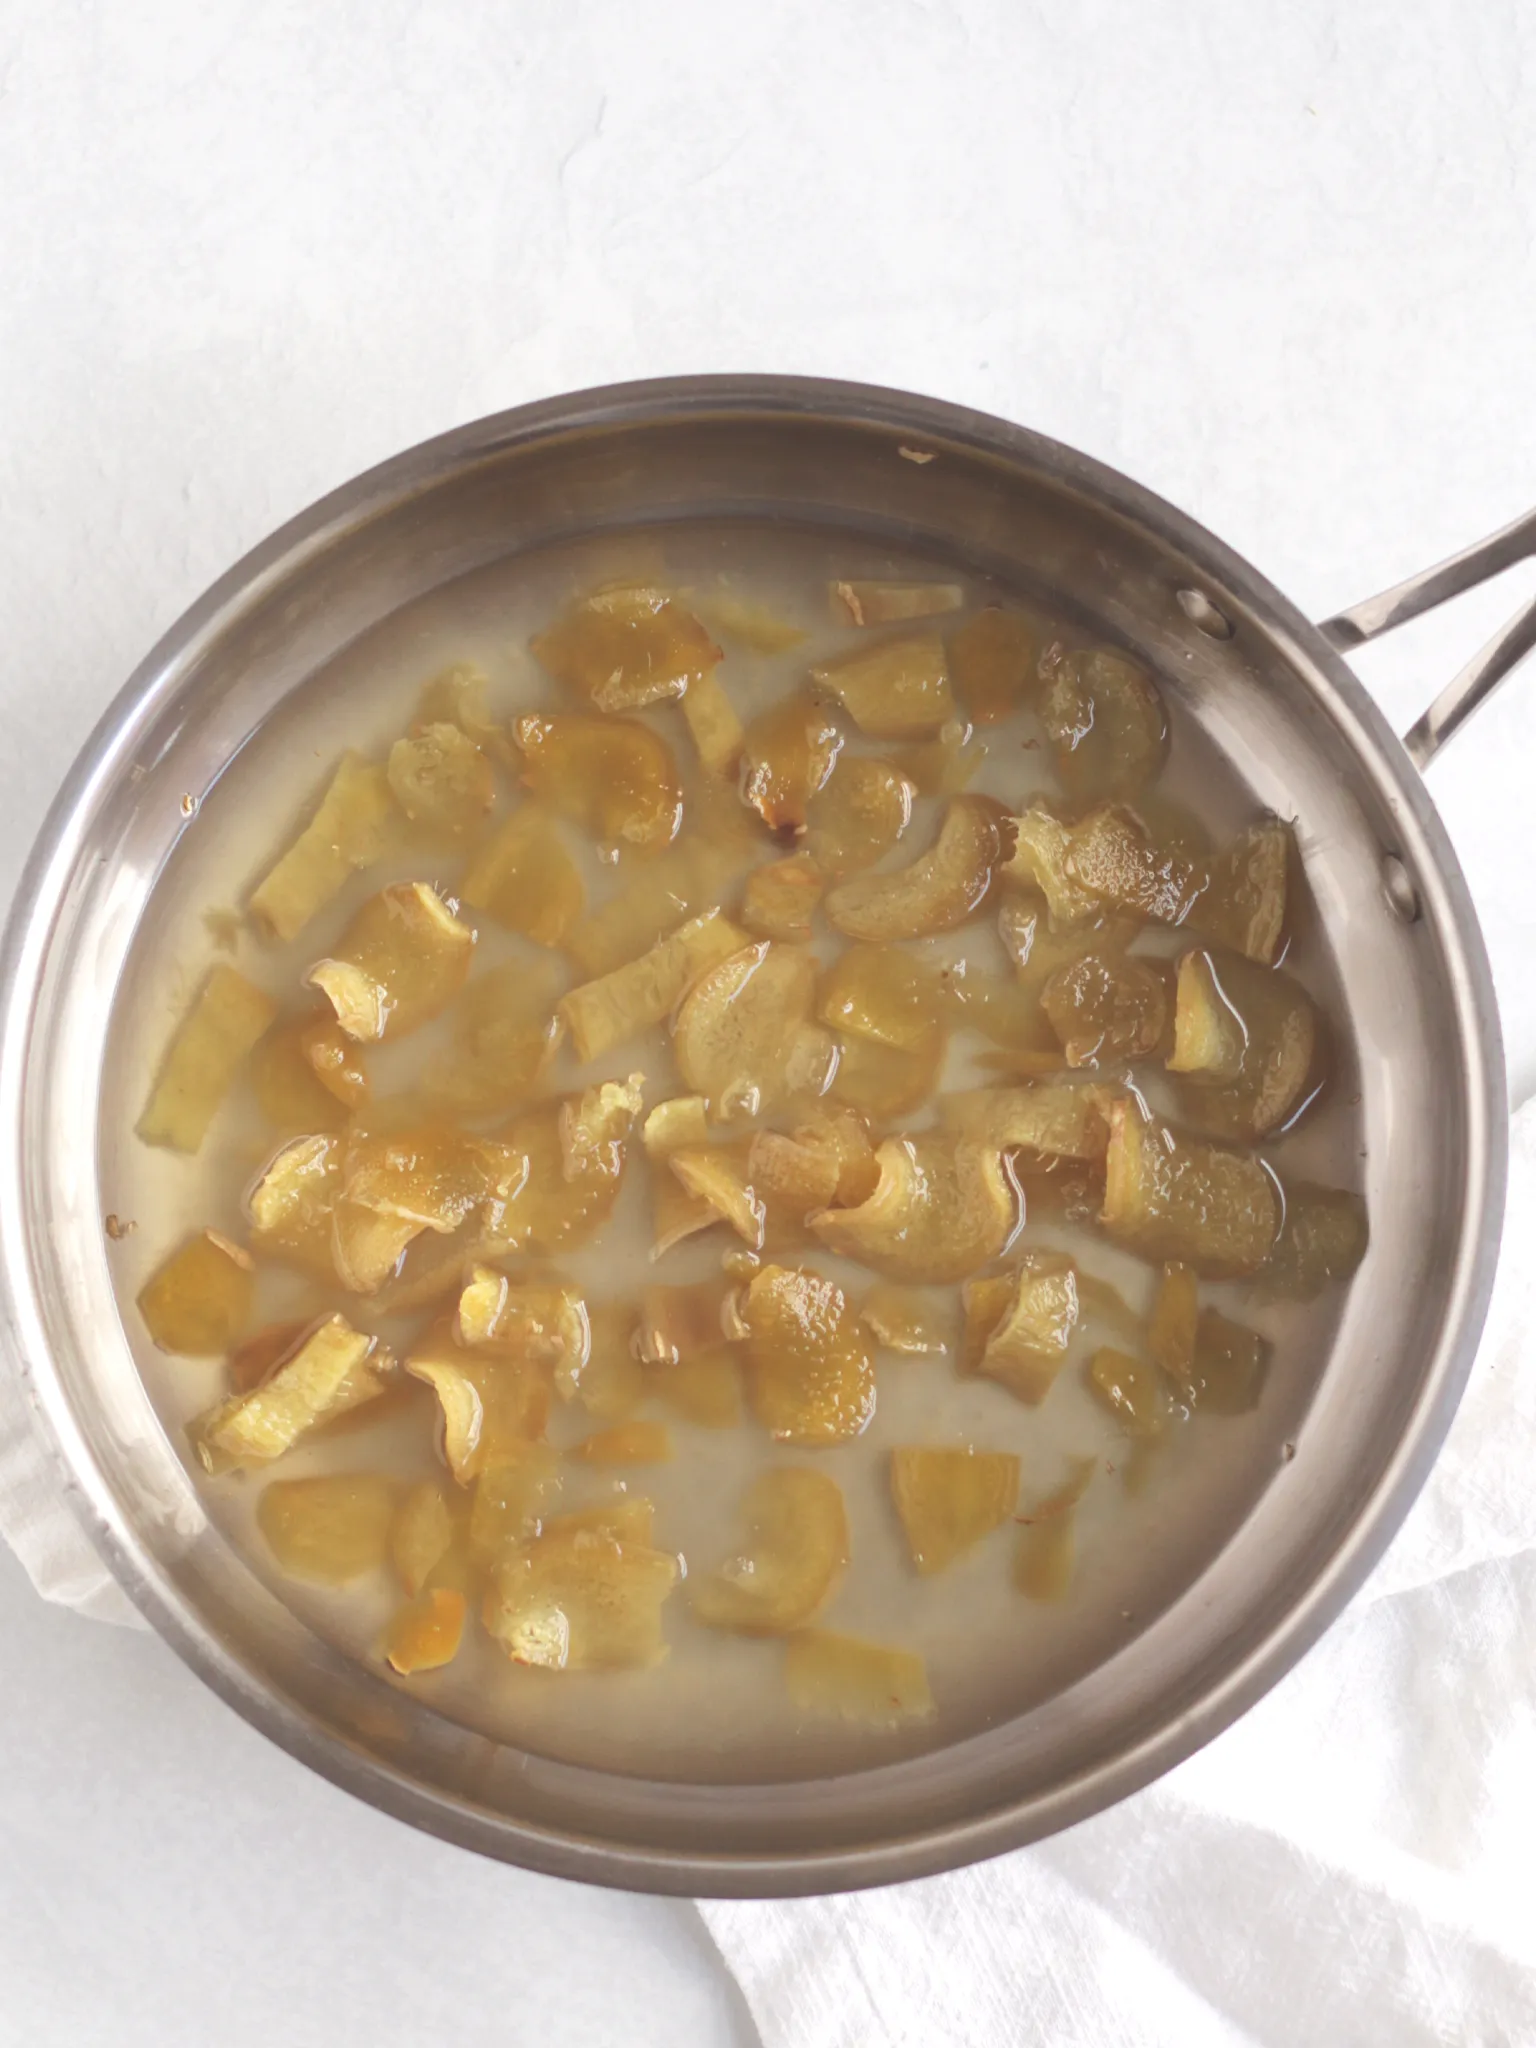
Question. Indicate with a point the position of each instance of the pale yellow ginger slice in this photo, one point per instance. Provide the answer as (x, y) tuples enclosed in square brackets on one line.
[(211, 1045), (401, 961), (524, 878), (717, 1175), (456, 696), (780, 898), (420, 1534), (1046, 1556), (491, 1403), (331, 1528), (1057, 1122), (627, 647), (884, 604), (351, 829), (942, 1207), (867, 1683), (441, 779), (604, 1013), (1172, 1198), (581, 1599), (898, 690), (426, 1635), (595, 1125), (738, 1027), (335, 1369), (677, 1213), (1029, 1342), (199, 1300), (949, 1500), (907, 1319), (796, 1551), (939, 891), (537, 1320), (712, 719)]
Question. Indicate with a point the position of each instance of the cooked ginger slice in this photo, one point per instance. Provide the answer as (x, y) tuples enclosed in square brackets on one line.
[(845, 1135), (678, 1124), (1109, 860), (1132, 1389), (908, 1320), (984, 1301), (604, 1013), (505, 1038), (1046, 1556), (1174, 1319), (813, 1379), (291, 1203), (858, 817), (780, 898), (432, 1175), (420, 1534), (1323, 1239), (524, 878), (735, 1029), (628, 1518), (799, 1173), (1051, 1121), (679, 1322), (252, 1360), (946, 764), (351, 829), (796, 1551), (1244, 1041), (717, 1175), (626, 1443), (948, 1500), (332, 1528), (886, 604), (1171, 1197), (532, 1319), (938, 891), (610, 1381), (1226, 1373), (199, 1300), (581, 1599), (576, 1151), (614, 777), (896, 691), (334, 1060), (1105, 717), (994, 663), (859, 1681), (1244, 904), (441, 779), (742, 618), (289, 1093), (335, 1369), (209, 1048), (880, 1082), (787, 755), (885, 994), (624, 648), (367, 1247), (681, 881), (704, 1389), (942, 1207), (712, 720), (1028, 1343), (491, 1404), (426, 1635), (1106, 1010), (510, 1494), (456, 696), (401, 961)]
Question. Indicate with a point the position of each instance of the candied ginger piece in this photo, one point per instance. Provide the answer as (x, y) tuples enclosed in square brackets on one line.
[(554, 1208), (788, 753), (614, 777), (292, 1201), (506, 1035), (813, 1379), (420, 1534), (456, 696), (604, 1013), (1226, 1374), (1173, 1322), (864, 808), (524, 878), (898, 690), (939, 891), (492, 1404), (1244, 1043), (994, 662), (1322, 1239), (735, 1029), (1105, 717), (289, 1093), (949, 1500), (610, 1384), (942, 1207), (627, 647), (1028, 1343), (712, 720), (336, 1368), (251, 1361), (800, 1173), (210, 1046), (908, 1320), (1173, 1198), (753, 624), (441, 779), (426, 1635), (679, 1322), (984, 1302), (1053, 1122), (1106, 1010), (1132, 1389), (332, 1528), (704, 1389), (1046, 1556), (946, 764), (367, 1247), (594, 1126), (717, 1175), (334, 1060), (351, 829), (780, 898), (673, 885), (509, 1497), (795, 1553), (432, 1175), (531, 1319), (581, 1599), (881, 1081), (856, 1680), (626, 1443), (1244, 906), (886, 994), (884, 604), (401, 961), (199, 1300)]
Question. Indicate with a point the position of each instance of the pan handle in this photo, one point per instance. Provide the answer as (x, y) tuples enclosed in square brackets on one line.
[(1476, 683)]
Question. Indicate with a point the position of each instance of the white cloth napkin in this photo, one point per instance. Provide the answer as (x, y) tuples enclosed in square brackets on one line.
[(1351, 1866)]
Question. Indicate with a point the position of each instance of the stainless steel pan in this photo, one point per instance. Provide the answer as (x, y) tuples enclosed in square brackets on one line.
[(1265, 682)]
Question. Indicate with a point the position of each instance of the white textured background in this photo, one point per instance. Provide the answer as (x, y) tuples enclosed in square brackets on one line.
[(1278, 262)]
